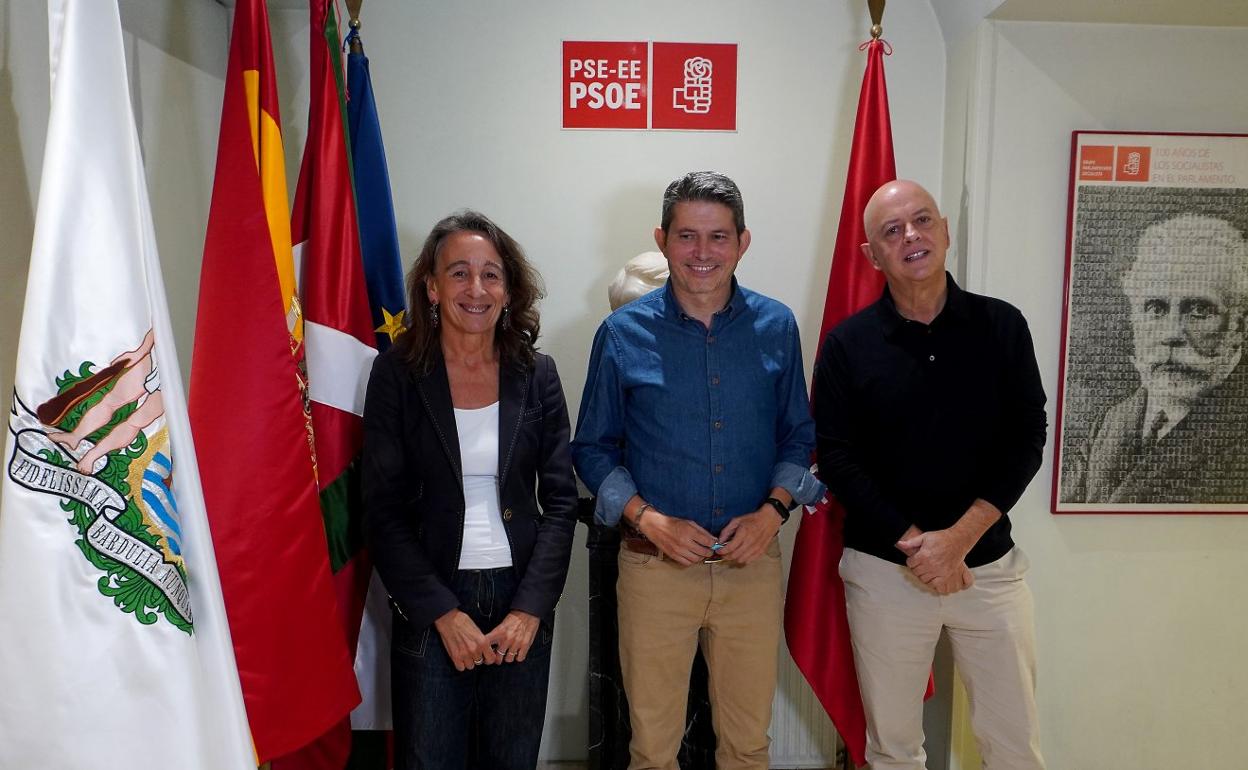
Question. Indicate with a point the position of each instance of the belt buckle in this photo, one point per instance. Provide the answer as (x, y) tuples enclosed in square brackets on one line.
[(716, 559)]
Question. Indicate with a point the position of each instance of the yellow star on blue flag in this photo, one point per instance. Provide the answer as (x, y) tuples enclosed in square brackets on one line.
[(393, 325)]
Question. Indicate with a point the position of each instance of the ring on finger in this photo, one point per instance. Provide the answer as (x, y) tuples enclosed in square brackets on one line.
[(478, 661)]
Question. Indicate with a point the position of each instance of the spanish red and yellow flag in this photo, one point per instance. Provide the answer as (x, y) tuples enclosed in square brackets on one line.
[(251, 419)]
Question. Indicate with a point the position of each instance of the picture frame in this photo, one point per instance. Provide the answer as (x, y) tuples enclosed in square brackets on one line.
[(1152, 409)]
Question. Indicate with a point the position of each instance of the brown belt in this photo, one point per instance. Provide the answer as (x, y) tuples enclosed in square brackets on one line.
[(640, 545), (637, 543)]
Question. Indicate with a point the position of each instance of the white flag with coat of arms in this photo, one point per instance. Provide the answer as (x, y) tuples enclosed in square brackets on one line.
[(116, 650)]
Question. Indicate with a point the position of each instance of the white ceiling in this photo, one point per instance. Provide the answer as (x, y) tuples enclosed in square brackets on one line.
[(1200, 13), (957, 16)]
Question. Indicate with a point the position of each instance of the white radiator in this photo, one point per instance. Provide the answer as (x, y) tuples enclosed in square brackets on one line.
[(802, 736)]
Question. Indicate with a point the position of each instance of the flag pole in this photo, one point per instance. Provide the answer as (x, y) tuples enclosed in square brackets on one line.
[(816, 624)]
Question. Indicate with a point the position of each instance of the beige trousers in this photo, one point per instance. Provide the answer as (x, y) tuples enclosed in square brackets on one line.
[(895, 622), (666, 611)]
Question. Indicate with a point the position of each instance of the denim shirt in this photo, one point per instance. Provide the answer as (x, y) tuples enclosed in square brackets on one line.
[(703, 424)]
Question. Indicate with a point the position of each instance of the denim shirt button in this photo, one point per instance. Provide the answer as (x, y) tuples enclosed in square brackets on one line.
[(718, 424), (719, 469)]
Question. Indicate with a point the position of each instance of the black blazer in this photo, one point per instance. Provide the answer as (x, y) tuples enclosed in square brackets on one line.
[(414, 488)]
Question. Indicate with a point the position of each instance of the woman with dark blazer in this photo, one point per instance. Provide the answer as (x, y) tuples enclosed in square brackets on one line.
[(470, 503)]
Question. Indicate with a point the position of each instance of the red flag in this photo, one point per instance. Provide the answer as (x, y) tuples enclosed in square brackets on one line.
[(815, 623), (341, 346), (253, 431), (340, 343)]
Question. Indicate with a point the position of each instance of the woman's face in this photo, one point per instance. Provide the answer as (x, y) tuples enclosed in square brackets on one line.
[(468, 284)]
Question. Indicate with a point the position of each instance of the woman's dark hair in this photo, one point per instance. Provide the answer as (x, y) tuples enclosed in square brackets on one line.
[(516, 339)]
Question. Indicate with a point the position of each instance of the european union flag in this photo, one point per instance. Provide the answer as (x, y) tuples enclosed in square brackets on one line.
[(379, 238)]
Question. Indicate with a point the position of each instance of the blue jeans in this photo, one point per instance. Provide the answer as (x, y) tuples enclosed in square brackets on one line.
[(489, 717)]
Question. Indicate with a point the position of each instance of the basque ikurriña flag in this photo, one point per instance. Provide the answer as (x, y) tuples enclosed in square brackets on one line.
[(117, 651), (340, 345), (253, 424)]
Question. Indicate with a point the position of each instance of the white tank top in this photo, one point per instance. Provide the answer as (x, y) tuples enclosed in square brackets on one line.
[(485, 540)]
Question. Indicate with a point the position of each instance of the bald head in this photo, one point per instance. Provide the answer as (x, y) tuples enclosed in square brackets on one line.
[(890, 191), (906, 236)]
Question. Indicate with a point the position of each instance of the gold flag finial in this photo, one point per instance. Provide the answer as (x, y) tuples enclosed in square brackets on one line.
[(877, 16), (353, 13)]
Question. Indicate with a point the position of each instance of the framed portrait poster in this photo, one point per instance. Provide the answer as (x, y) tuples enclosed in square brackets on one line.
[(1153, 405)]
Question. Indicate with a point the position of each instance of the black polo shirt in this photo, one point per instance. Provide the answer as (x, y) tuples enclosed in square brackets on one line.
[(915, 421)]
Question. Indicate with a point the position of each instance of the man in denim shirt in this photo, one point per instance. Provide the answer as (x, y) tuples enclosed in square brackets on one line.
[(695, 435)]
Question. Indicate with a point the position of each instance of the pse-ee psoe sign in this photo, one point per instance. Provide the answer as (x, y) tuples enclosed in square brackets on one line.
[(639, 85)]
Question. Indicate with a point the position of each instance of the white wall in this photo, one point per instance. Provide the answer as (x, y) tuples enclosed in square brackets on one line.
[(23, 123), (470, 100), (1141, 619), (469, 95), (176, 56)]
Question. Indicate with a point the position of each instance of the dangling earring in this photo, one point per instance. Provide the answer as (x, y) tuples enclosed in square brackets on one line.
[(435, 315), (506, 322)]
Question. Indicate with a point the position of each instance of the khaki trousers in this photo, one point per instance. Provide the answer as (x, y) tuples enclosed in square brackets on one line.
[(895, 622), (666, 611)]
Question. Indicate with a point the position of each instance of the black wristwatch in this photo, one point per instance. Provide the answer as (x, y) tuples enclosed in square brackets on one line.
[(780, 507)]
